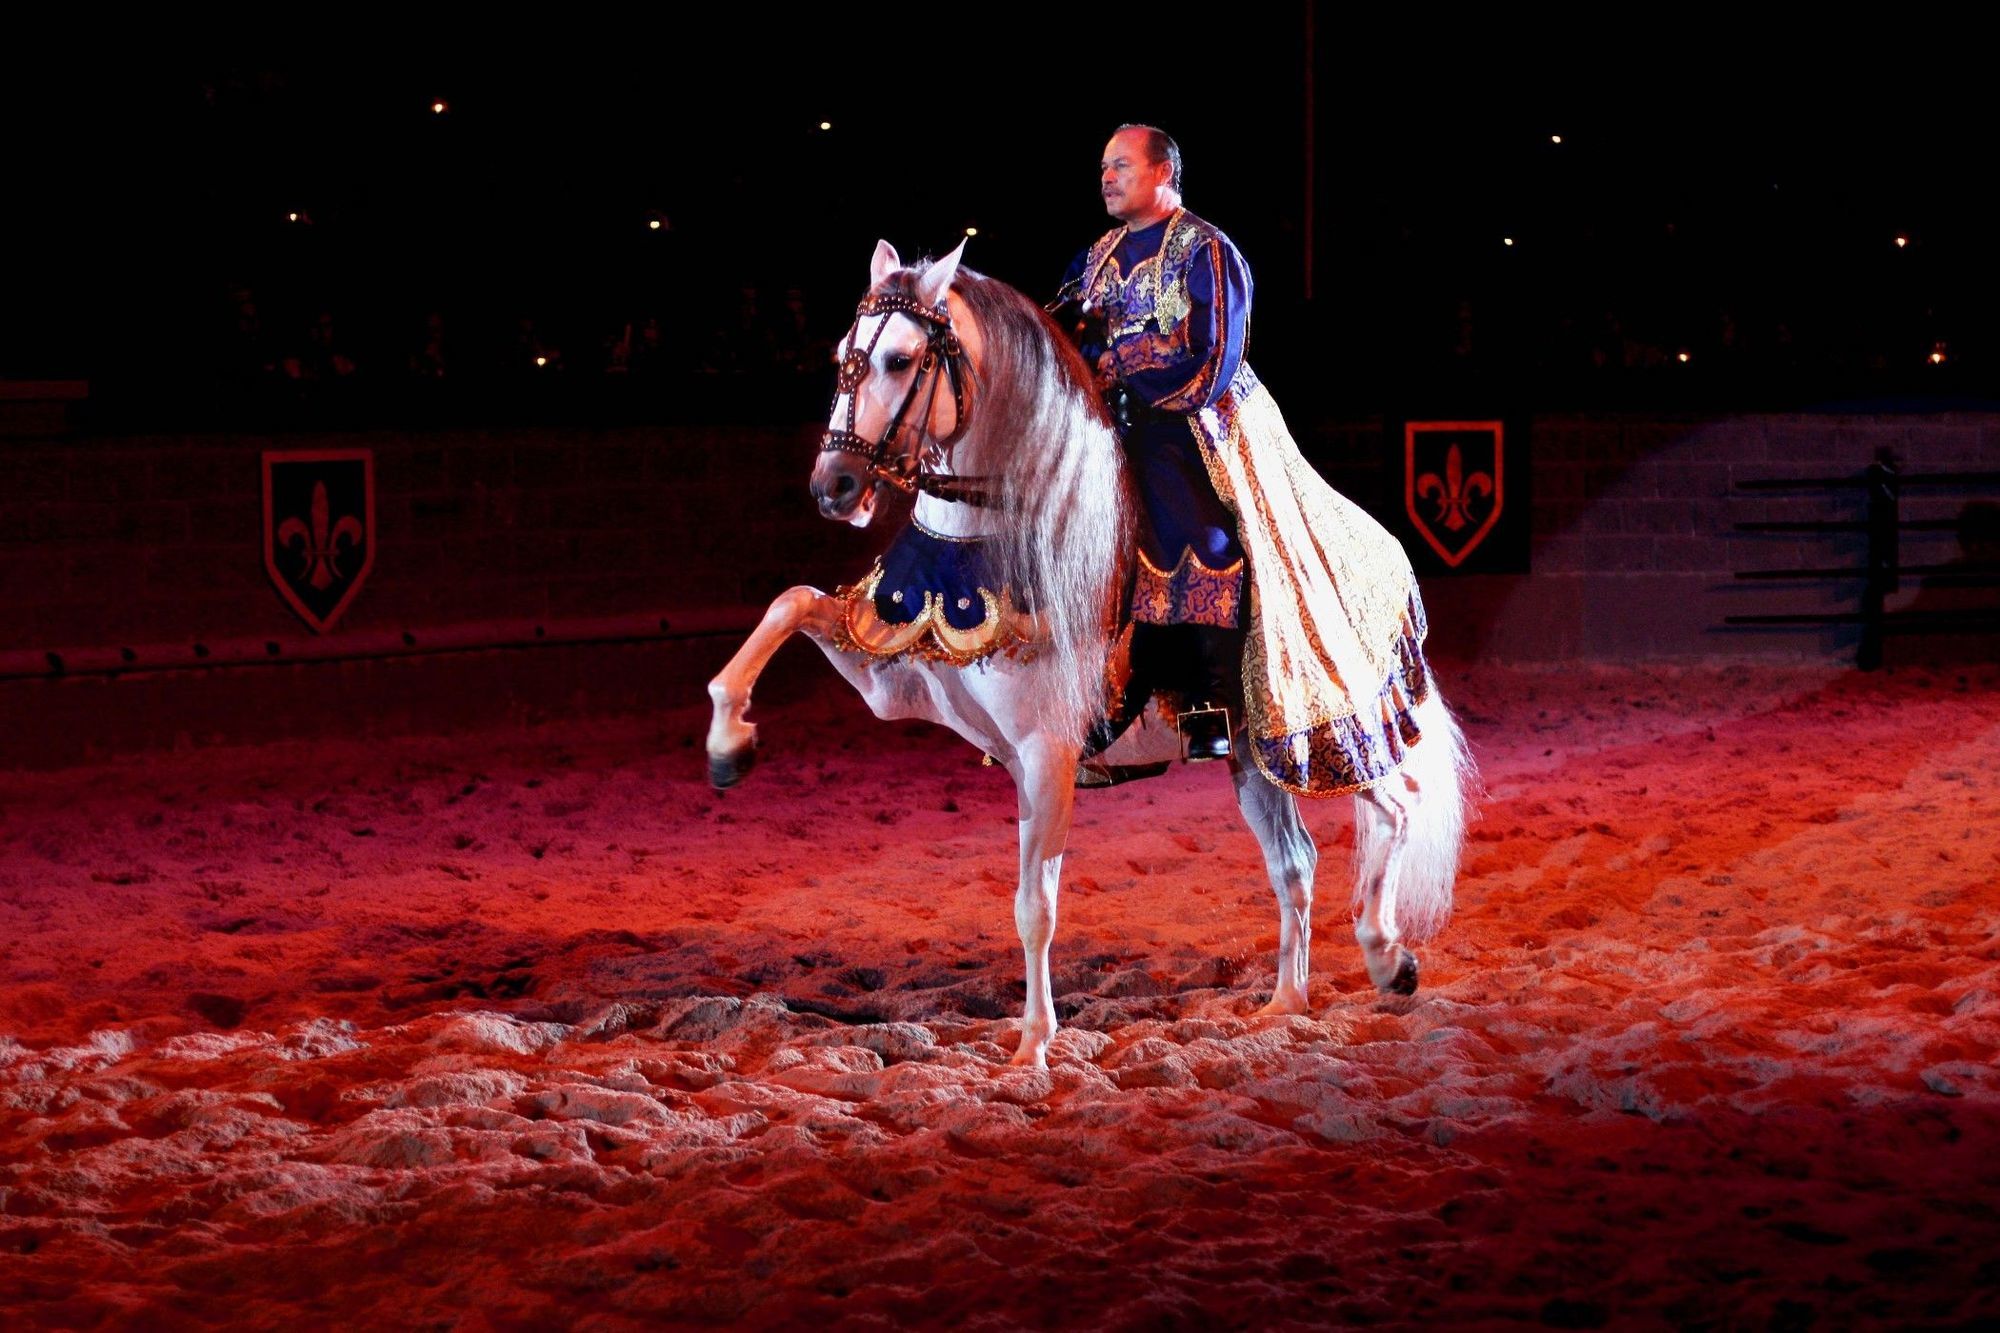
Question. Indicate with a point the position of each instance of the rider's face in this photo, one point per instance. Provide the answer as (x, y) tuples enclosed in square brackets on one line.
[(1131, 185)]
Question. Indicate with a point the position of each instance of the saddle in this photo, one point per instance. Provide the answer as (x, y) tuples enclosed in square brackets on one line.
[(1157, 675)]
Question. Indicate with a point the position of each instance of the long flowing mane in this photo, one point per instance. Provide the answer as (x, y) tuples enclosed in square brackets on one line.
[(1057, 533), (1037, 426)]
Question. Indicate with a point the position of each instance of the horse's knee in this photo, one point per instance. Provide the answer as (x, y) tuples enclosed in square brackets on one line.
[(1034, 912), (798, 599), (1291, 865), (1304, 858), (796, 608)]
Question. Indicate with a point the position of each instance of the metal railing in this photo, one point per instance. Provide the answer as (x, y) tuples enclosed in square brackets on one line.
[(1881, 572)]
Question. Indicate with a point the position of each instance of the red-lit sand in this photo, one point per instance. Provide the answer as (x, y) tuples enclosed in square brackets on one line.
[(515, 1032)]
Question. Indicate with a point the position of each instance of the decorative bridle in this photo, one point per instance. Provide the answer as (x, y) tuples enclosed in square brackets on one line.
[(913, 469)]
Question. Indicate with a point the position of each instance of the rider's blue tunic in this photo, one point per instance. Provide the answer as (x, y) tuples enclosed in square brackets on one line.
[(1175, 299), (1333, 665)]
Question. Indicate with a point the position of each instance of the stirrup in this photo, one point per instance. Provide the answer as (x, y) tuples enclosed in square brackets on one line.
[(1204, 733), (1091, 773)]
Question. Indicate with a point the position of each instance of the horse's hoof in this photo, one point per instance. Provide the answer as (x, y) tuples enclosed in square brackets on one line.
[(726, 770), (1030, 1055), (1033, 1052), (1405, 980)]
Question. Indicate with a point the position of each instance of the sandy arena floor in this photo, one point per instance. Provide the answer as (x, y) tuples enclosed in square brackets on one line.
[(536, 1031)]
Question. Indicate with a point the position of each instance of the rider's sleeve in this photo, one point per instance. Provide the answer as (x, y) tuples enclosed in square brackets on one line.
[(1067, 308), (1217, 326), (1072, 282)]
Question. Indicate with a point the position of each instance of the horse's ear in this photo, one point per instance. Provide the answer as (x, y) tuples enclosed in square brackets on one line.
[(936, 280), (886, 261)]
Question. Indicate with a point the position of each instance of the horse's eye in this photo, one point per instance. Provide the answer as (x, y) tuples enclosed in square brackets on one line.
[(898, 363)]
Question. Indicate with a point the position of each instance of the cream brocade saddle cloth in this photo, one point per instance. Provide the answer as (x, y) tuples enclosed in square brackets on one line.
[(1333, 663)]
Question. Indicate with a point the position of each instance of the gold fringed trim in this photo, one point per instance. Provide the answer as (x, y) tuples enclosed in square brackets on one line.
[(929, 636), (1343, 755)]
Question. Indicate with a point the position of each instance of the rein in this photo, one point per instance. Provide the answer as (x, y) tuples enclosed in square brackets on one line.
[(914, 469)]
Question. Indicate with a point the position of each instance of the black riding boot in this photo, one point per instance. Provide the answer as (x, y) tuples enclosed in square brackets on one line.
[(1217, 696), (1142, 675)]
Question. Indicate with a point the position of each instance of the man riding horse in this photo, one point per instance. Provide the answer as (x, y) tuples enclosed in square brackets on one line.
[(987, 612), (1254, 579)]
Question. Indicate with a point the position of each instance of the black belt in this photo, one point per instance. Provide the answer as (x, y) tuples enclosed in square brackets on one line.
[(1128, 410)]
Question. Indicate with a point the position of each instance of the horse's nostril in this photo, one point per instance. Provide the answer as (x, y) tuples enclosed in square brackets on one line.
[(843, 486)]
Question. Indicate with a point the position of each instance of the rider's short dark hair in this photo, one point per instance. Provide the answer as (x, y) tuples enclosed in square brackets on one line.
[(1160, 147)]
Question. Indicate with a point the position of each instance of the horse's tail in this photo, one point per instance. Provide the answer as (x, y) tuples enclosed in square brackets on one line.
[(1447, 781)]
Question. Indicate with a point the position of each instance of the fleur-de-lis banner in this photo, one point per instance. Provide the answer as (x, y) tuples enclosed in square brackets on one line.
[(319, 529), (1465, 496)]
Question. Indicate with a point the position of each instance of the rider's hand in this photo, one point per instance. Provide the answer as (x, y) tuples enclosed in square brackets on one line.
[(1107, 370)]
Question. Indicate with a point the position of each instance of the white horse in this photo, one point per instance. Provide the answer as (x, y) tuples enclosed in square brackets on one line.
[(958, 386)]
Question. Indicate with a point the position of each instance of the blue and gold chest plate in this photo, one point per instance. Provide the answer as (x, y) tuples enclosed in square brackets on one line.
[(1156, 287), (936, 598)]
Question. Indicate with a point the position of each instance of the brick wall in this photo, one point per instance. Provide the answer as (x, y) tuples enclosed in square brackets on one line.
[(143, 539), (1635, 548), (107, 541)]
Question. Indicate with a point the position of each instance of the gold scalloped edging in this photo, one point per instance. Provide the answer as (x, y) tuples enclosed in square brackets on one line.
[(929, 636)]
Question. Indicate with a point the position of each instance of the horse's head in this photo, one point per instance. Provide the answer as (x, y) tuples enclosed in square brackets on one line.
[(901, 396)]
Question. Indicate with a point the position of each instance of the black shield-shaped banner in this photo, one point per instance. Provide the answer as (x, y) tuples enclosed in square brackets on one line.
[(1454, 484), (319, 529)]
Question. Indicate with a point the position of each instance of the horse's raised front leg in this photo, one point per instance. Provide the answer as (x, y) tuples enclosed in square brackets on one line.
[(1044, 776), (1290, 859), (1382, 816), (732, 742)]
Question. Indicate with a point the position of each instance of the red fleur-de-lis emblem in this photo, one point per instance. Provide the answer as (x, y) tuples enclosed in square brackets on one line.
[(320, 546), (1456, 489), (1453, 475), (319, 529)]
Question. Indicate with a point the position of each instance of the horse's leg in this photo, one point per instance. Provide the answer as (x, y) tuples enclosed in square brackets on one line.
[(1382, 816), (732, 742), (1290, 859), (1409, 829), (1044, 773)]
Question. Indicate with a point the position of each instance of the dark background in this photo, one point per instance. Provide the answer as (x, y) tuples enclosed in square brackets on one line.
[(1728, 196)]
